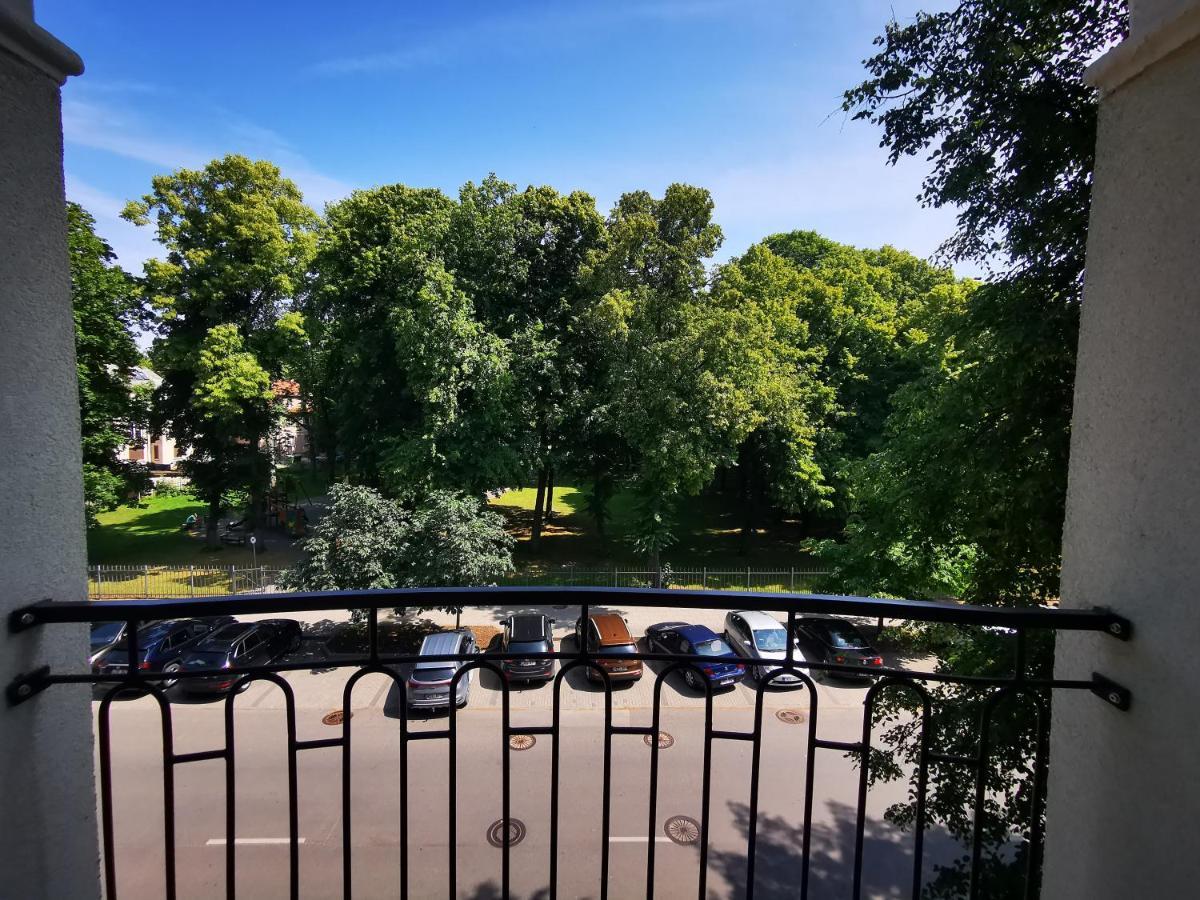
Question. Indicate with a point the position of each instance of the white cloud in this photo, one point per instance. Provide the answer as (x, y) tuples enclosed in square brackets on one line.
[(516, 32), (115, 130)]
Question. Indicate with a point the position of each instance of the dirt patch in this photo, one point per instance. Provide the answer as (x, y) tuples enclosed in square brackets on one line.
[(397, 638), (484, 635)]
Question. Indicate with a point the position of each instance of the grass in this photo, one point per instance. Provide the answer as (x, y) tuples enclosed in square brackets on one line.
[(707, 534), (708, 540), (150, 533)]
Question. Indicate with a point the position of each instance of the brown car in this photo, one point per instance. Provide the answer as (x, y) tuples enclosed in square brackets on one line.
[(609, 640)]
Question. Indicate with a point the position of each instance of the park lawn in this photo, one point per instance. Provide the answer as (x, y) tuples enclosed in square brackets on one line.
[(707, 534), (150, 533)]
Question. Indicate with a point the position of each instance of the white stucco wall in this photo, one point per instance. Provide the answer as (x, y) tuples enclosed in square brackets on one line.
[(1124, 790), (48, 824)]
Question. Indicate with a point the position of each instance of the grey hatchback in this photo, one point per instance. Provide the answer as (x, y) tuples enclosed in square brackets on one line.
[(428, 685)]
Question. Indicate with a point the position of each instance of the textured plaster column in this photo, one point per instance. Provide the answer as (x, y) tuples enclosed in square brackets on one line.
[(1124, 793), (48, 844)]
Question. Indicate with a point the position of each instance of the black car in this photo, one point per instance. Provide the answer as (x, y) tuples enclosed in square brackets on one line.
[(527, 633), (105, 634), (837, 641), (237, 646), (161, 647)]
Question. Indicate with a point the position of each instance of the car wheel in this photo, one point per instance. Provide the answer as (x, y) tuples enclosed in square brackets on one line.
[(690, 677), (168, 683)]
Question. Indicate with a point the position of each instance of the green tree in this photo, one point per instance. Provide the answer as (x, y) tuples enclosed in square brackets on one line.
[(107, 309), (520, 255), (367, 541), (866, 314), (691, 374), (422, 391), (777, 364), (238, 241), (973, 474)]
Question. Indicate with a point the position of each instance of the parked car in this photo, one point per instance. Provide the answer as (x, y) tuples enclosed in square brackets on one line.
[(238, 645), (757, 636), (607, 638), (832, 640), (105, 634), (527, 633), (162, 647), (716, 660), (428, 685)]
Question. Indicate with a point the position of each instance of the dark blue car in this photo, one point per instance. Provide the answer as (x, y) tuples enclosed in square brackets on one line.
[(161, 647), (715, 658)]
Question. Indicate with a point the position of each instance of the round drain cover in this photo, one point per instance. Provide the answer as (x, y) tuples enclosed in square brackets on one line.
[(516, 832), (335, 718), (664, 740), (790, 716), (682, 829), (521, 741)]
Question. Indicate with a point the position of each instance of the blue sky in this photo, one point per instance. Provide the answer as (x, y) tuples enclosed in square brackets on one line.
[(740, 97)]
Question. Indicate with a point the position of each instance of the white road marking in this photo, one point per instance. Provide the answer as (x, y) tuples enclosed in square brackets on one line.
[(638, 840), (220, 842)]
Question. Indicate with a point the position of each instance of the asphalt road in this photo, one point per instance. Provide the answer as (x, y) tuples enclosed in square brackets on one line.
[(376, 796)]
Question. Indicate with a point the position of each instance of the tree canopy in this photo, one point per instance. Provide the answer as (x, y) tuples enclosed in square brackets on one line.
[(107, 308), (238, 240)]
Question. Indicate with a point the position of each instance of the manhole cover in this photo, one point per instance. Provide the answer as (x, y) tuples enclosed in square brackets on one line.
[(522, 741), (664, 740), (682, 829), (516, 832), (335, 718), (790, 716)]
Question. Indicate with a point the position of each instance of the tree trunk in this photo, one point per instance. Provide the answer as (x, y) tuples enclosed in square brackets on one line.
[(330, 452), (746, 486), (212, 539), (535, 536), (599, 502), (549, 492)]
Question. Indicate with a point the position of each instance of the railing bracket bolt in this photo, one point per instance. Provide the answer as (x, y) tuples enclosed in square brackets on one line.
[(1118, 626), (23, 686), (1110, 692)]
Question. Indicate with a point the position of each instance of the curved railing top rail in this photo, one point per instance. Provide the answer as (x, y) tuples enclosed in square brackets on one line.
[(1057, 619)]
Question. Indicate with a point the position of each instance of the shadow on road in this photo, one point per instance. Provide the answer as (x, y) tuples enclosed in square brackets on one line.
[(887, 856)]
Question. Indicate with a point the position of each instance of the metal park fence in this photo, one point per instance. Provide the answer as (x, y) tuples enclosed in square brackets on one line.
[(170, 582)]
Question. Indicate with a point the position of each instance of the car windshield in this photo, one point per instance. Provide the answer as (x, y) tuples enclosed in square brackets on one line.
[(106, 632), (618, 650), (715, 647), (843, 637), (528, 647), (770, 639), (432, 676)]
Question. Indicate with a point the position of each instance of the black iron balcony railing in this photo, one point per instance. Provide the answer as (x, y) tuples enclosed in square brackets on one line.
[(1019, 623)]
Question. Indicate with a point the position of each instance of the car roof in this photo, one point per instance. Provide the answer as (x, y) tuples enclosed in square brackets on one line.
[(156, 630), (834, 625), (611, 628), (437, 644), (528, 627), (696, 633), (757, 619), (227, 634)]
